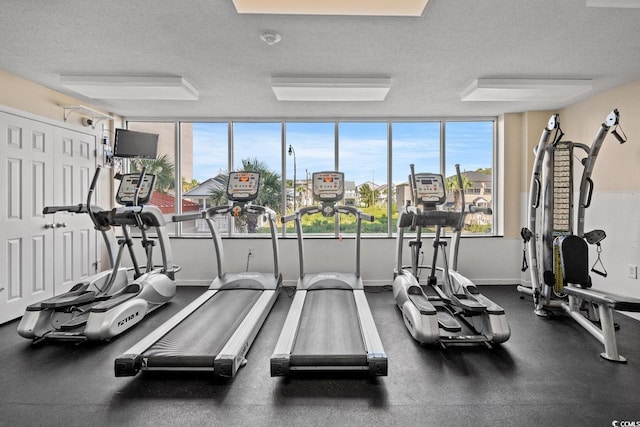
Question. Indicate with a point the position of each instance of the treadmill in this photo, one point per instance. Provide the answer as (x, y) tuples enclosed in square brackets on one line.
[(329, 326), (215, 331)]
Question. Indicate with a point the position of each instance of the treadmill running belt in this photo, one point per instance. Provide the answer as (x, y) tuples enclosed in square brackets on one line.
[(198, 339), (329, 332)]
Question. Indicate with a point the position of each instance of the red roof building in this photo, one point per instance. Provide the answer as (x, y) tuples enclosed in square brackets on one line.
[(166, 203)]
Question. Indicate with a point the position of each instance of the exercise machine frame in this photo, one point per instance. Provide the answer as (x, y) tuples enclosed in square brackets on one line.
[(157, 352), (453, 311), (110, 302), (557, 256), (328, 188)]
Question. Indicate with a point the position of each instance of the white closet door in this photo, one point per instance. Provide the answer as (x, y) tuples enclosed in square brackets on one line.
[(26, 235), (74, 162), (41, 256)]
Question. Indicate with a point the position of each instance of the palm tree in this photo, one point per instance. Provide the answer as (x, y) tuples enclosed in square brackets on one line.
[(189, 185), (270, 190), (162, 168), (453, 187)]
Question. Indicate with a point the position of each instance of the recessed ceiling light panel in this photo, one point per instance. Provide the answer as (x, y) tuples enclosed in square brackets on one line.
[(330, 88), (525, 89), (630, 4), (131, 87), (333, 7)]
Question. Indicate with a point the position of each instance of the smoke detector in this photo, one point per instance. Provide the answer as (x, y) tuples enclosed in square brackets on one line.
[(270, 37)]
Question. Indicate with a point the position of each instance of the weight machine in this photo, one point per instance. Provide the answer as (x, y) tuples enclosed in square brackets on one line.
[(558, 255)]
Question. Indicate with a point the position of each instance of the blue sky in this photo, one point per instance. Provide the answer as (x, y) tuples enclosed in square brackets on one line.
[(362, 147)]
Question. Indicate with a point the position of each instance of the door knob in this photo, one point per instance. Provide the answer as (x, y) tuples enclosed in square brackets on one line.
[(61, 224), (47, 226)]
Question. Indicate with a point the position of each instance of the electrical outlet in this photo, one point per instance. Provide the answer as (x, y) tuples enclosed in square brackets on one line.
[(632, 271)]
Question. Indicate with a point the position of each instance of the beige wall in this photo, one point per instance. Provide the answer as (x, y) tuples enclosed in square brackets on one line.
[(25, 95), (617, 168)]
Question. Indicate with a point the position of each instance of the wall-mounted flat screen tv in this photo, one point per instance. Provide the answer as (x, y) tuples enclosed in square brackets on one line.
[(133, 144)]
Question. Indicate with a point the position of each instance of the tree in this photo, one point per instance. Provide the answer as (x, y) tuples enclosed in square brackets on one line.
[(162, 168), (189, 185), (453, 187), (367, 195), (269, 195), (270, 188)]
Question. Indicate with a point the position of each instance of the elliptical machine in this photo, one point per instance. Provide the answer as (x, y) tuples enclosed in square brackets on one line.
[(453, 311), (559, 258), (111, 301)]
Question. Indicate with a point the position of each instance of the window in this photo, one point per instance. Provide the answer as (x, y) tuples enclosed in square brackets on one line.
[(416, 143), (163, 166), (470, 144), (363, 157), (310, 147), (374, 156), (204, 162), (257, 148)]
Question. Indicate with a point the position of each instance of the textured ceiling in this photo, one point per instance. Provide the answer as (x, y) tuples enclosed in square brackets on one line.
[(430, 60)]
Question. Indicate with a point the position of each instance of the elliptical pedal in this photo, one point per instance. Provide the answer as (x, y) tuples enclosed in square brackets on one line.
[(447, 322), (468, 304), (75, 322)]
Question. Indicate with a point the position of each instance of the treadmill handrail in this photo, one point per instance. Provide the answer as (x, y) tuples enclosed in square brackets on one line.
[(189, 216)]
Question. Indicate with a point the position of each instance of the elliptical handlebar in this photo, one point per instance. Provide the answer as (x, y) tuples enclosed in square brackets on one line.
[(143, 172), (413, 185), (92, 187), (79, 208), (460, 187), (478, 209)]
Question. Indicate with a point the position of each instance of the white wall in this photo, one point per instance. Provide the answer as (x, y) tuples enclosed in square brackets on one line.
[(491, 260), (616, 176)]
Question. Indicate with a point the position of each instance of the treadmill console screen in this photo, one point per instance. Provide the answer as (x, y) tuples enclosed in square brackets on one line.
[(127, 189), (430, 188), (328, 186), (243, 186)]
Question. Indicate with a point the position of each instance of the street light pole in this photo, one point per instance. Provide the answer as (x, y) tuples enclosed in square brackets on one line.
[(292, 152)]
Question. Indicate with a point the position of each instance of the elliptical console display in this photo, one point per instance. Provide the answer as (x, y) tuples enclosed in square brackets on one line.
[(128, 186), (429, 188)]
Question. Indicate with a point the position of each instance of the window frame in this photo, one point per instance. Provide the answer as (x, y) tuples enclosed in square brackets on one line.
[(496, 200)]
